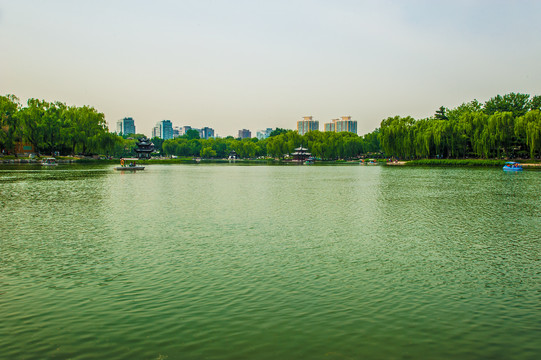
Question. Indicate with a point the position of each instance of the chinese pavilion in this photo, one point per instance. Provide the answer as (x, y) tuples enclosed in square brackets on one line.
[(144, 148), (301, 154), (233, 155)]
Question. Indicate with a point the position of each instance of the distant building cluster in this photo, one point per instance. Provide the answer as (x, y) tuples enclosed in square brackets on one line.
[(343, 124), (336, 125), (164, 129)]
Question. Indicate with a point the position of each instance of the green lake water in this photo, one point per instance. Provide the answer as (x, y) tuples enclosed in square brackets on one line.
[(269, 262)]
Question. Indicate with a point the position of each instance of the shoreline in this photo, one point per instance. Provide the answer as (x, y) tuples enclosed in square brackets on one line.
[(167, 161)]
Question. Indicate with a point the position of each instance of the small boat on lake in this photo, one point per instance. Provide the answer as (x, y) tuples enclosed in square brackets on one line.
[(129, 164), (512, 166), (368, 162), (49, 162), (311, 160)]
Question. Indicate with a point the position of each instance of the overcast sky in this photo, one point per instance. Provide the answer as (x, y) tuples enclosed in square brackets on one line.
[(255, 64)]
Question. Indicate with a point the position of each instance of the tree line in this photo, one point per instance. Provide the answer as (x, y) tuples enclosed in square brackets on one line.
[(280, 143), (54, 127), (504, 126)]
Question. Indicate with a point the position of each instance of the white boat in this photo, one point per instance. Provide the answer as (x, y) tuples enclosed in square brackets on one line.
[(49, 162), (129, 164)]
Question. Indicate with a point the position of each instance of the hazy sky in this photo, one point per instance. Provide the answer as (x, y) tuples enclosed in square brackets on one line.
[(254, 64)]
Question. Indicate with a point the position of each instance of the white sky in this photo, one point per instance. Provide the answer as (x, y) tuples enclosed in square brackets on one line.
[(255, 64)]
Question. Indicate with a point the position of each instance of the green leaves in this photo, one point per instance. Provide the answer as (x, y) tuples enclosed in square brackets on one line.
[(518, 104), (500, 128), (53, 126), (9, 129), (328, 146)]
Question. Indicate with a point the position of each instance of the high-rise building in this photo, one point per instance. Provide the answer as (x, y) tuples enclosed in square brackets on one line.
[(184, 130), (263, 134), (125, 126), (166, 131), (245, 134), (176, 132), (344, 124), (307, 124), (156, 130), (163, 130), (330, 126), (206, 133)]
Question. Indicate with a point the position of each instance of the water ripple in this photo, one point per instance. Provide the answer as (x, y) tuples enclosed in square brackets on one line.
[(228, 262)]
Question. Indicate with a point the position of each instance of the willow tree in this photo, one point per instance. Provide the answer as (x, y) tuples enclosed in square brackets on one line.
[(501, 127), (528, 128), (396, 137), (9, 127), (83, 128), (31, 119)]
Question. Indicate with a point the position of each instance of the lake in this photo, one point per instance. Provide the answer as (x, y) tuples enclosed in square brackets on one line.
[(269, 262)]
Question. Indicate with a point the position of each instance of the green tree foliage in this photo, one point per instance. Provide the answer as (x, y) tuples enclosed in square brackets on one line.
[(278, 131), (517, 104), (208, 152), (505, 126), (440, 114), (158, 144), (9, 106), (528, 130), (191, 134), (324, 145), (54, 127), (535, 103)]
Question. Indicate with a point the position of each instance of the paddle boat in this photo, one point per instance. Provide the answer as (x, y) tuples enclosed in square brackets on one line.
[(129, 164), (311, 160), (368, 162), (512, 166), (49, 162)]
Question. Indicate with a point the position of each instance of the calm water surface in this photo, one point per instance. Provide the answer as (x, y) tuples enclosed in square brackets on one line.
[(269, 262)]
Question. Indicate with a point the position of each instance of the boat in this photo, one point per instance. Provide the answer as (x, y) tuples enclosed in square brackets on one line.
[(368, 162), (311, 160), (512, 166), (129, 164), (49, 162)]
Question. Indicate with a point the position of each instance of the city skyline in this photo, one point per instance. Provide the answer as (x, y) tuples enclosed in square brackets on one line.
[(238, 64), (208, 132)]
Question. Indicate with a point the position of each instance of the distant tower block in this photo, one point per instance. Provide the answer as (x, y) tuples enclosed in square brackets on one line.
[(307, 124), (341, 125)]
